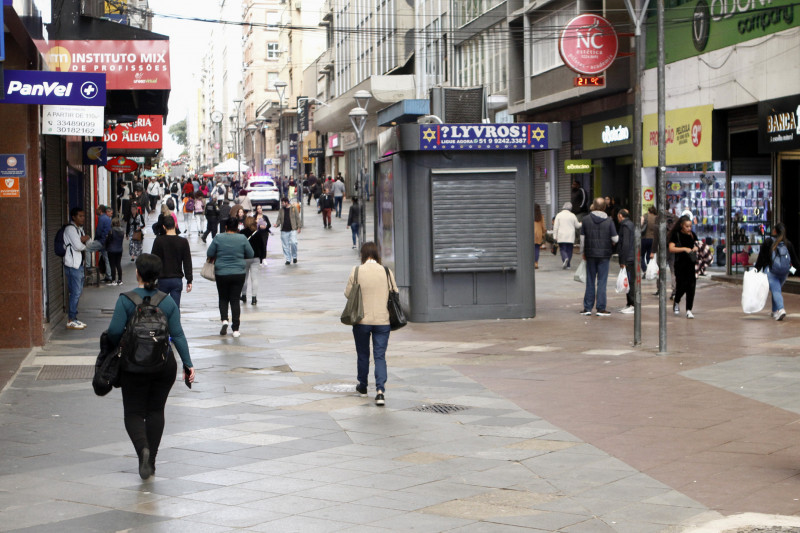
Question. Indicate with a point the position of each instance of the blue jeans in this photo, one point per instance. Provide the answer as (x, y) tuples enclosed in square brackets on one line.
[(289, 243), (337, 204), (173, 287), (775, 284), (596, 268), (536, 248), (75, 285), (566, 251), (354, 227), (380, 340), (647, 247)]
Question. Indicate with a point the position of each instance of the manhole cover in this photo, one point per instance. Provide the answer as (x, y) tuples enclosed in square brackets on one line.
[(56, 372), (440, 408), (336, 387)]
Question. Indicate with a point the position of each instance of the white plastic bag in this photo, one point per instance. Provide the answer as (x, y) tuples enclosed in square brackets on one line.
[(580, 274), (622, 281), (755, 290), (652, 270)]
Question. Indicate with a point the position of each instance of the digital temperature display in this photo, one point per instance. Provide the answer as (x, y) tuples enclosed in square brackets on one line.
[(590, 81)]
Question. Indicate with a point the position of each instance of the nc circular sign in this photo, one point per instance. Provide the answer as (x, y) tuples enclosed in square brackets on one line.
[(588, 44)]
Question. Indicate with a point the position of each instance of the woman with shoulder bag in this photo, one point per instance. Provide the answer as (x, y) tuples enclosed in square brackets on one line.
[(683, 243), (229, 251), (375, 282), (144, 395)]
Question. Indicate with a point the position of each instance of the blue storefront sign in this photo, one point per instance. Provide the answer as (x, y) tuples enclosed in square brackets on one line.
[(95, 153), (12, 165), (54, 88), (293, 151), (483, 136)]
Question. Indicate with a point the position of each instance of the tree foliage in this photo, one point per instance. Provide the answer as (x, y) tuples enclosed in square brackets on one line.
[(178, 132)]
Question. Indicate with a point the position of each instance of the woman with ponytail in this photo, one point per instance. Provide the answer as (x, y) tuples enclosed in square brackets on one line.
[(778, 258)]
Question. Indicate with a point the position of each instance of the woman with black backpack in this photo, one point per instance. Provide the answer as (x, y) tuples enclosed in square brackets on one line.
[(148, 367), (776, 257)]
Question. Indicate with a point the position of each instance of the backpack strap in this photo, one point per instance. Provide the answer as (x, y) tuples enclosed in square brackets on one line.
[(157, 298), (135, 298)]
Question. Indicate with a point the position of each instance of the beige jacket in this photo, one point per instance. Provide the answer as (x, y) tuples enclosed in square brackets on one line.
[(374, 292)]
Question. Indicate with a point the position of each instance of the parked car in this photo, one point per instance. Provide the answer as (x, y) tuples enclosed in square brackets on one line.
[(262, 191)]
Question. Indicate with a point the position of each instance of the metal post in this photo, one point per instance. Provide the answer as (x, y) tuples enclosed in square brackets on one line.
[(662, 188), (362, 197)]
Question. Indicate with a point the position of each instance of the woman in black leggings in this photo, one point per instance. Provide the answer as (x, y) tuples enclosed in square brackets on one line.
[(682, 243), (145, 391), (229, 251), (115, 251)]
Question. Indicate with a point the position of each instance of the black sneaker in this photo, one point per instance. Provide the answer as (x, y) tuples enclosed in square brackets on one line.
[(380, 400), (288, 263), (145, 469), (294, 260), (224, 329), (243, 298), (586, 313), (603, 313), (361, 389)]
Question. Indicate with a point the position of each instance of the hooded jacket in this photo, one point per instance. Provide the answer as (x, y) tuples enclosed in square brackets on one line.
[(625, 249), (597, 235)]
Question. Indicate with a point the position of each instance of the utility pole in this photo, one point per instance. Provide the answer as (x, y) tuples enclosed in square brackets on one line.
[(661, 186)]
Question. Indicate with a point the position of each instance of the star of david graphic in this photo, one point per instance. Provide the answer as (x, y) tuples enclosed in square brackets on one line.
[(429, 135), (538, 134)]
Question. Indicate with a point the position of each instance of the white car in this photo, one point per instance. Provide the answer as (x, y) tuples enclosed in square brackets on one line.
[(262, 191)]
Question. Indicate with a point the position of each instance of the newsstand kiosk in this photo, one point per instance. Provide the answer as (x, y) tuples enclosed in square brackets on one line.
[(454, 217)]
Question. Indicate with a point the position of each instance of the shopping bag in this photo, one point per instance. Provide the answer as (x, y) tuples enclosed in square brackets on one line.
[(652, 270), (622, 281), (354, 308), (580, 274), (207, 271), (755, 290)]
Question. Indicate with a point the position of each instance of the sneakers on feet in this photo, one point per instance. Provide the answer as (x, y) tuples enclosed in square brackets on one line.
[(603, 313), (224, 329), (780, 315), (75, 324), (362, 390), (586, 313), (676, 308), (627, 310), (379, 399), (294, 260), (236, 334), (288, 263), (689, 314)]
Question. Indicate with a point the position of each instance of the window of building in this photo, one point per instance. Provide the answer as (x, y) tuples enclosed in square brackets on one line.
[(272, 77), (544, 40), (483, 59), (272, 51)]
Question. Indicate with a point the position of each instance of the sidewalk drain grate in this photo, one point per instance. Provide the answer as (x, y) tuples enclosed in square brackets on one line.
[(439, 408), (335, 387), (57, 372)]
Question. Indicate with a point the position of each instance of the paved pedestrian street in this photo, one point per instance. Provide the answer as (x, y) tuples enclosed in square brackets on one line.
[(556, 423)]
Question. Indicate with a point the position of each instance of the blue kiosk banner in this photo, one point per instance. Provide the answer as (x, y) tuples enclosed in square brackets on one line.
[(483, 136)]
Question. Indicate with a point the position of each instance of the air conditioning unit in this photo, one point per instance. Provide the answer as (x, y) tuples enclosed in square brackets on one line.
[(458, 105)]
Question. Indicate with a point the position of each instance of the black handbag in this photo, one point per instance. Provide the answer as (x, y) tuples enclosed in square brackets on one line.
[(106, 367), (397, 317)]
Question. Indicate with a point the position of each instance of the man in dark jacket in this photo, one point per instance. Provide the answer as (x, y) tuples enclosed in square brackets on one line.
[(326, 205), (224, 213), (212, 219), (598, 235), (625, 248), (579, 200)]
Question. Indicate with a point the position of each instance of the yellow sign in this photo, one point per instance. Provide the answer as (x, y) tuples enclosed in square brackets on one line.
[(118, 7), (688, 136)]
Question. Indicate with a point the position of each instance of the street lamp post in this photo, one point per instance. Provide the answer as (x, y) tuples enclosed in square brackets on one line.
[(251, 129), (358, 118), (238, 143), (280, 88)]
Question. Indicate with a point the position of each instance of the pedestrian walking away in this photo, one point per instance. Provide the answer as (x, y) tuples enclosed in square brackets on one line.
[(145, 389), (649, 229), (539, 231), (683, 243), (115, 250), (326, 205), (338, 196), (212, 220), (627, 256), (565, 227), (375, 281), (101, 233), (778, 259), (289, 222), (250, 231), (354, 221), (176, 261), (229, 251), (598, 235)]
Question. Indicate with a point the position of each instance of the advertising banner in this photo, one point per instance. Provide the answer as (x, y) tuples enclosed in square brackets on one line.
[(302, 113), (94, 153), (608, 133), (779, 124), (293, 151), (688, 136), (121, 164), (38, 87), (316, 152), (578, 166), (483, 136), (126, 64), (588, 44), (701, 26), (145, 133), (73, 120)]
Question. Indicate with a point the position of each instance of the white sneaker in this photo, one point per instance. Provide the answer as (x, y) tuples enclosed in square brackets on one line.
[(780, 315), (676, 308), (236, 334), (627, 310), (75, 324), (689, 314)]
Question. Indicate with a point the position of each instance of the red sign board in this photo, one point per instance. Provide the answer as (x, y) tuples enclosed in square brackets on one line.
[(588, 44), (121, 164), (145, 133), (138, 65)]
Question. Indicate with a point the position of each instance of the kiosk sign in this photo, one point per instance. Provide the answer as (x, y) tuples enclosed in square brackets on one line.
[(483, 136), (588, 44)]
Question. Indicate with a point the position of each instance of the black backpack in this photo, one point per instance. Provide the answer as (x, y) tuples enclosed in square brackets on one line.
[(59, 246), (174, 187), (212, 211), (145, 342)]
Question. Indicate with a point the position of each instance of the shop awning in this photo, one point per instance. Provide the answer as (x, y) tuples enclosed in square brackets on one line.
[(230, 165)]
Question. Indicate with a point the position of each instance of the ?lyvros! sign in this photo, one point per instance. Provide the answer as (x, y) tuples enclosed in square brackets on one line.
[(588, 44)]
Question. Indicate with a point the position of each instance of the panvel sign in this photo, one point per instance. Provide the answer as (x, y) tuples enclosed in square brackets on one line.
[(145, 133), (483, 137), (127, 65), (688, 136), (54, 88)]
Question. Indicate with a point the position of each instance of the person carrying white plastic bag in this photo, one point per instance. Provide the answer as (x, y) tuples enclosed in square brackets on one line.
[(580, 273), (622, 281), (755, 290), (652, 270)]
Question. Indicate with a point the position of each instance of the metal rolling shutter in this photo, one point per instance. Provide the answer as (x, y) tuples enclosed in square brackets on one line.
[(55, 215), (461, 199)]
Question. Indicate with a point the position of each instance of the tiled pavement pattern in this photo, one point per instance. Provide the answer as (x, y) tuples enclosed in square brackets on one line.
[(563, 425)]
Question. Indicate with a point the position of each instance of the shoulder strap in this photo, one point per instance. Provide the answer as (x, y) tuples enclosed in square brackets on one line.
[(355, 276), (157, 298), (388, 279), (135, 298)]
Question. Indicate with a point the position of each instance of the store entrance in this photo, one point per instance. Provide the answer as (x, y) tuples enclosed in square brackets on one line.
[(790, 198)]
